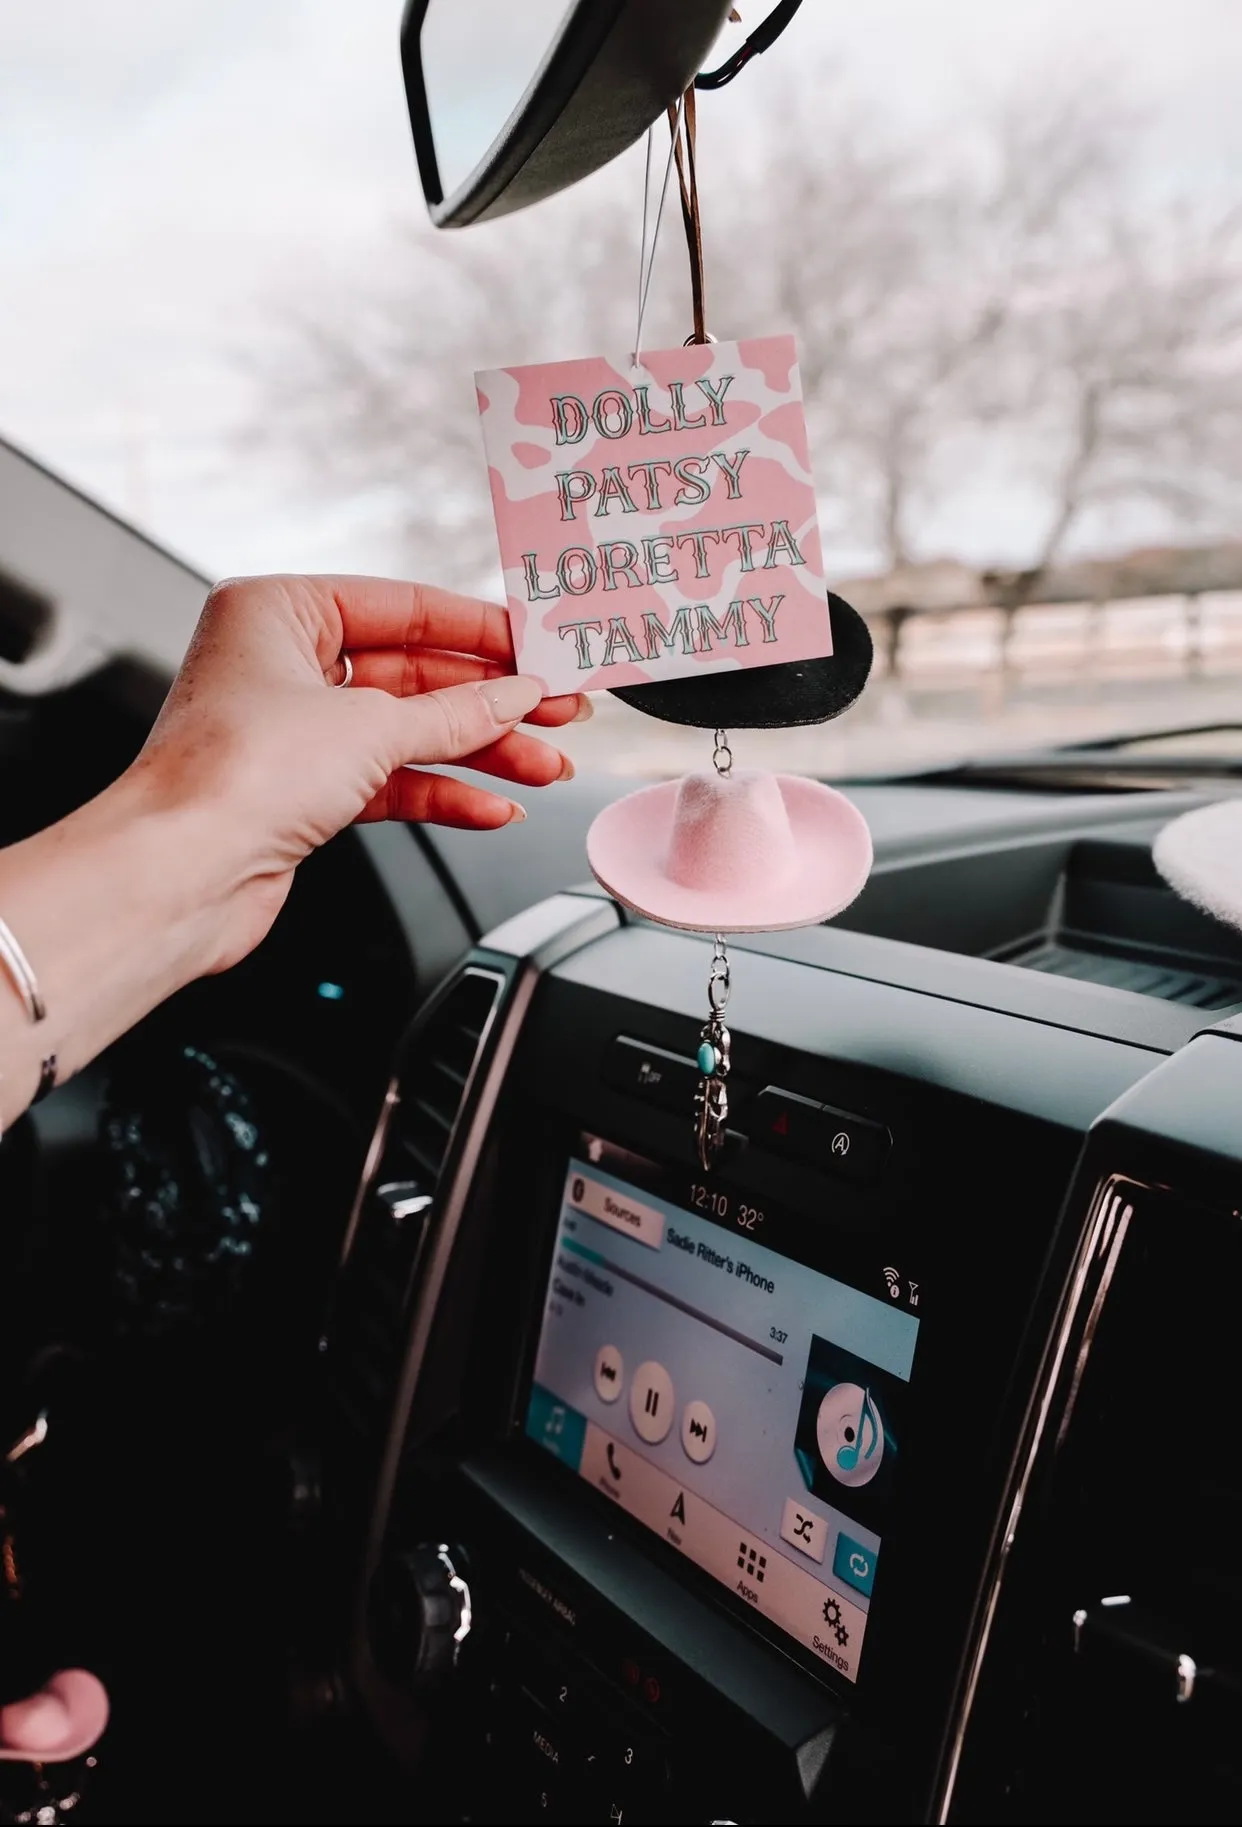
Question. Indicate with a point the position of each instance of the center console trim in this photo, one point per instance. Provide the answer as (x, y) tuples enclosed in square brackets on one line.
[(1094, 1265)]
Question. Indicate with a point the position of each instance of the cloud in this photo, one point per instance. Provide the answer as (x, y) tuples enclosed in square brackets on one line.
[(166, 171)]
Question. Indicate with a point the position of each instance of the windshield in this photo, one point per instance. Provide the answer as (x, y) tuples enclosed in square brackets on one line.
[(1008, 239)]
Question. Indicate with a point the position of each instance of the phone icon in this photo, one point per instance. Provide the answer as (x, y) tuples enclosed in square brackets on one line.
[(611, 1456)]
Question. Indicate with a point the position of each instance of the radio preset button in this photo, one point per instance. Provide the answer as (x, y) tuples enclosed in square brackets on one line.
[(557, 1686), (536, 1758), (652, 1402)]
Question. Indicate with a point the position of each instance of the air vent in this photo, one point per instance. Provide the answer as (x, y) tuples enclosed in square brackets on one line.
[(440, 1061), (368, 1327), (1118, 924), (1171, 982)]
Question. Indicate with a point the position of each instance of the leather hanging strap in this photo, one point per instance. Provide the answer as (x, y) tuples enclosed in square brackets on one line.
[(682, 127)]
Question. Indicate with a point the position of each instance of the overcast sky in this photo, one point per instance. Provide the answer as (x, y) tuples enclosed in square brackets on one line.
[(170, 170)]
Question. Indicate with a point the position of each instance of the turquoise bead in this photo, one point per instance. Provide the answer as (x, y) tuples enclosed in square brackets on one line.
[(707, 1059)]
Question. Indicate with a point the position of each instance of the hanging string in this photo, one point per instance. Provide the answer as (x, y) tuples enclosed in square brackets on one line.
[(642, 244), (646, 256), (712, 1095), (682, 128)]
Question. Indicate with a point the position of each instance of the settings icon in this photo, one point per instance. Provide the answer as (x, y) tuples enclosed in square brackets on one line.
[(832, 1618)]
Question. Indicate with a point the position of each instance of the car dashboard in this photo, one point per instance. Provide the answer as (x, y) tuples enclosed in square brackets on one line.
[(508, 1466), (789, 1491)]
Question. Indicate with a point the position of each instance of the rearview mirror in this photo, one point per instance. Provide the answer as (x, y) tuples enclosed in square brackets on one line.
[(513, 100)]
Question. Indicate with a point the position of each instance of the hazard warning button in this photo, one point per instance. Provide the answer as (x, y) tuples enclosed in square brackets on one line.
[(822, 1136)]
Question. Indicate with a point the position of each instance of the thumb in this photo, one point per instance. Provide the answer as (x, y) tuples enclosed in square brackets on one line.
[(450, 724)]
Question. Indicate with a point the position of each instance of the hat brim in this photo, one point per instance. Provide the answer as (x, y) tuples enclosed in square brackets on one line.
[(767, 697), (63, 1720), (629, 840)]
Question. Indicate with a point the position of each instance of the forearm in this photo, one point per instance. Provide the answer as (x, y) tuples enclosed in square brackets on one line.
[(115, 909), (180, 868)]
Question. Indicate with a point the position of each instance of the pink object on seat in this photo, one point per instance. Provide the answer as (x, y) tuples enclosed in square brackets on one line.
[(744, 852), (63, 1720)]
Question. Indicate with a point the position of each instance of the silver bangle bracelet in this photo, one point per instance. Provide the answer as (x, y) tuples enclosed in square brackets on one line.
[(24, 981)]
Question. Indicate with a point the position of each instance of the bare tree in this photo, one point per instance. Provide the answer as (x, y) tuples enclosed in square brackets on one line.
[(1129, 379), (903, 267), (368, 393), (1007, 299)]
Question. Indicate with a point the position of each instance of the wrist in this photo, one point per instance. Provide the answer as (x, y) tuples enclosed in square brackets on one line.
[(186, 873), (218, 886), (115, 907)]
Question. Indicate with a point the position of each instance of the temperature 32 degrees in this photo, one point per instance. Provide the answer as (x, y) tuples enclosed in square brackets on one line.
[(715, 1204)]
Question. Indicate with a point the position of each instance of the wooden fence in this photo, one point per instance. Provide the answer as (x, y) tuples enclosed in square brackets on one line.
[(1163, 613)]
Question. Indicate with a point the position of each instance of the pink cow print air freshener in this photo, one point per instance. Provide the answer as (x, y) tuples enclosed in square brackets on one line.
[(657, 520)]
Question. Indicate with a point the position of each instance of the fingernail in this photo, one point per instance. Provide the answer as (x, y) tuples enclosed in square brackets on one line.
[(517, 814), (510, 699), (585, 710), (567, 769)]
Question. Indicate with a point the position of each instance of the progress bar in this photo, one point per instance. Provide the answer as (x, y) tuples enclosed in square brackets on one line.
[(683, 1306)]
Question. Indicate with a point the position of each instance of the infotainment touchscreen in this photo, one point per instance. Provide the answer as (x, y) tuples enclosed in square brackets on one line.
[(746, 1407)]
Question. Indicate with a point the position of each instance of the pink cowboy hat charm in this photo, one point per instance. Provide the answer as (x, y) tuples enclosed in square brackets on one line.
[(732, 853)]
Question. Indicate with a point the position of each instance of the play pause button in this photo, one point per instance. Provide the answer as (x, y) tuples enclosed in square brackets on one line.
[(652, 1402)]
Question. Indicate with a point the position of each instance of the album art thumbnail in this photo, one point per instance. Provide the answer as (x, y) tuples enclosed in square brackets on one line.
[(850, 1425)]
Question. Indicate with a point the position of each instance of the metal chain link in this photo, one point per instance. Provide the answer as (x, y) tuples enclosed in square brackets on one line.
[(715, 1047), (719, 980), (712, 1097)]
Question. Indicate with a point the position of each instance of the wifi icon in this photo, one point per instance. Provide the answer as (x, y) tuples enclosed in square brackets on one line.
[(894, 1284)]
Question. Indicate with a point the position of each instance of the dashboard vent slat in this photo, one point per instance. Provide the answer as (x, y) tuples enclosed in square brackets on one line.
[(455, 1078), (427, 1160), (366, 1336), (440, 1119), (1114, 922), (1116, 971)]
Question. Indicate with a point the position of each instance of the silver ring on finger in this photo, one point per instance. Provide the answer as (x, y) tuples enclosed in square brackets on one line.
[(348, 679)]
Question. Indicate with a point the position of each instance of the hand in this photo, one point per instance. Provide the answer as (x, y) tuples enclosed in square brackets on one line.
[(276, 762)]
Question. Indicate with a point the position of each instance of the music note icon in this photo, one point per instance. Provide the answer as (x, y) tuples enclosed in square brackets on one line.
[(850, 1434)]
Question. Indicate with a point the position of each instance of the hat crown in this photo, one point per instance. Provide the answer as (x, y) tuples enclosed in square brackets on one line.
[(730, 830)]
